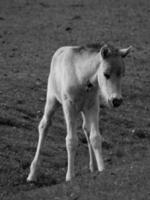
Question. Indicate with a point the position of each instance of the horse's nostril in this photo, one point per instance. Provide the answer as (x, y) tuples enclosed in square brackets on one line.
[(116, 102)]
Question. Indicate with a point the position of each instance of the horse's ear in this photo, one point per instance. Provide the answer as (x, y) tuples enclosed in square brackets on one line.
[(105, 51), (126, 51)]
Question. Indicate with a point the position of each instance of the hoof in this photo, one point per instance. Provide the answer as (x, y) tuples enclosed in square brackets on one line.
[(31, 179), (101, 168), (69, 178), (92, 167)]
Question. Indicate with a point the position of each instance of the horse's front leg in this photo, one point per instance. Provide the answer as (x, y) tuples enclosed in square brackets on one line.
[(86, 129), (71, 138), (95, 139)]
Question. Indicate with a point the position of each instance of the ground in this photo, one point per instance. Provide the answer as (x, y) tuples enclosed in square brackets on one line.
[(30, 32)]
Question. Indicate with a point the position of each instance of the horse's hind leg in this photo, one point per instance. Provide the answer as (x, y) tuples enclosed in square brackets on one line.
[(50, 108)]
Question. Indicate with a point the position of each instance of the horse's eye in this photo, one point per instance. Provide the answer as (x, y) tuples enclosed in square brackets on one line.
[(107, 76)]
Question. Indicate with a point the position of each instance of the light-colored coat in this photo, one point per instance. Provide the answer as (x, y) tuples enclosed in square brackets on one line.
[(78, 76)]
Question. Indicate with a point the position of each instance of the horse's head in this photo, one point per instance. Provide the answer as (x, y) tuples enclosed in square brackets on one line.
[(110, 73)]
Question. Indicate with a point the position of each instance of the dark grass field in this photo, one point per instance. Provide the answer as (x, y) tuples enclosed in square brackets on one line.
[(30, 32)]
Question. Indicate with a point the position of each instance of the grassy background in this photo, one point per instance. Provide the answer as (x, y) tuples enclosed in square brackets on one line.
[(30, 32)]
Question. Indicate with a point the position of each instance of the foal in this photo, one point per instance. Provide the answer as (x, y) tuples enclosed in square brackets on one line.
[(78, 75)]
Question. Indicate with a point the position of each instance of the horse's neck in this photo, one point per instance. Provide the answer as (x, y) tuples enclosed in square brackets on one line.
[(87, 68)]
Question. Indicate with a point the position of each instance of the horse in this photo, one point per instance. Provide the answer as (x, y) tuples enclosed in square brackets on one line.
[(79, 75)]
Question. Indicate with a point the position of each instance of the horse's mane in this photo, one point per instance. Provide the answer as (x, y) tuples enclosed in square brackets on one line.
[(95, 47)]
